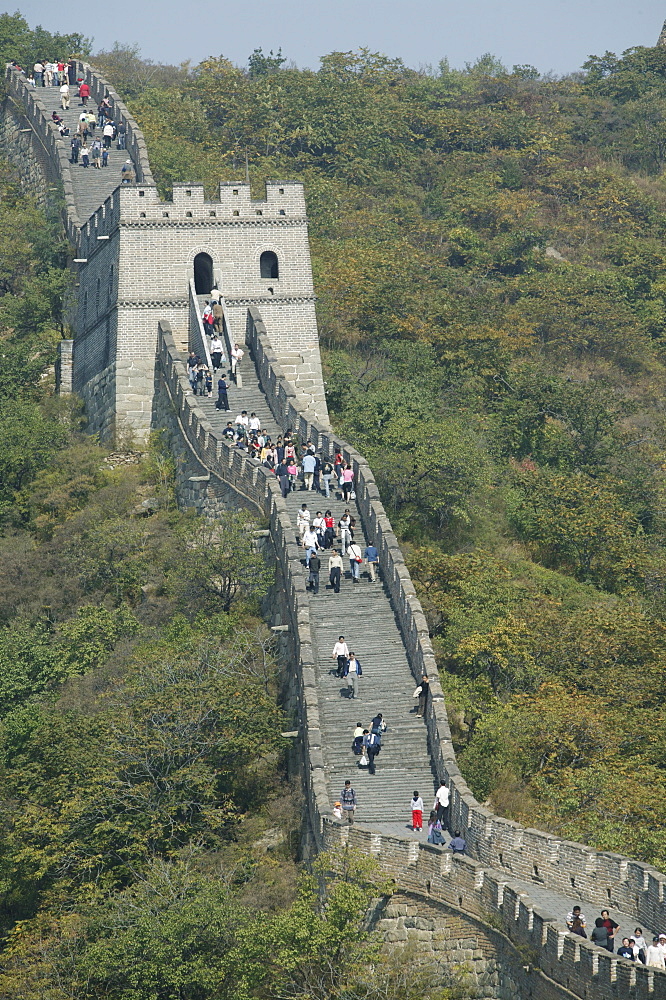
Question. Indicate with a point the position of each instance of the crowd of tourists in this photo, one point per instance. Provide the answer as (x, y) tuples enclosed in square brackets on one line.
[(96, 130), (605, 934)]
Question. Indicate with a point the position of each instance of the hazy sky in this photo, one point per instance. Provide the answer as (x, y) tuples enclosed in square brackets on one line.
[(554, 35)]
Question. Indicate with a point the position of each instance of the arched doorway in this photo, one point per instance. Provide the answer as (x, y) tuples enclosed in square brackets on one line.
[(203, 273), (268, 265)]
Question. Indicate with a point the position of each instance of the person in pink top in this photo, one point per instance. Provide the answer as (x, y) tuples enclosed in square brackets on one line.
[(347, 481)]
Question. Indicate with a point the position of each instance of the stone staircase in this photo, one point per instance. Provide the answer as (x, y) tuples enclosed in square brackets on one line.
[(363, 614), (91, 186)]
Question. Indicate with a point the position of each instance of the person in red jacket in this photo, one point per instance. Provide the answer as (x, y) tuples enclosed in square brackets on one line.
[(84, 94)]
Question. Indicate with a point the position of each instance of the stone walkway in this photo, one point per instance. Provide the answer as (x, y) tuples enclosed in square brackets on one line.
[(91, 186)]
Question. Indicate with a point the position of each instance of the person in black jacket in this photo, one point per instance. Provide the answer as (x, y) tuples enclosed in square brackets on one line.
[(424, 696), (313, 579)]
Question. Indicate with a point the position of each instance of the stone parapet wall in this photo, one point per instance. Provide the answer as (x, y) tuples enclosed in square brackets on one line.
[(259, 488), (607, 879), (554, 964)]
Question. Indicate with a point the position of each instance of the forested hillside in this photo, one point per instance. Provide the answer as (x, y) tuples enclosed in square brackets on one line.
[(491, 271)]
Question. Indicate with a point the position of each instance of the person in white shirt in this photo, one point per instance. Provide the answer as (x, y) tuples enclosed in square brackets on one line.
[(309, 544), (236, 357), (417, 812), (640, 940), (355, 560), (319, 525), (242, 421), (335, 570), (341, 653), (216, 352), (302, 520), (255, 423), (65, 97), (654, 958), (442, 798), (344, 527)]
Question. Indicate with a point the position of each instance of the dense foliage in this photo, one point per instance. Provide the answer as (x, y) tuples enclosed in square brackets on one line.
[(489, 258)]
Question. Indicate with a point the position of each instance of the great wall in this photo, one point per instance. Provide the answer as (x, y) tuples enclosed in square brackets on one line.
[(141, 265)]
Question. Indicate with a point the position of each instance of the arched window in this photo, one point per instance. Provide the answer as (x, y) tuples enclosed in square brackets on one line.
[(203, 273), (268, 264)]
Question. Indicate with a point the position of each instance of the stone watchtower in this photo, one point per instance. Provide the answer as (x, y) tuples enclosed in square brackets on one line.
[(142, 260)]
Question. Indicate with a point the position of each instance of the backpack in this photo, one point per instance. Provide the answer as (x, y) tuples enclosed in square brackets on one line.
[(375, 741)]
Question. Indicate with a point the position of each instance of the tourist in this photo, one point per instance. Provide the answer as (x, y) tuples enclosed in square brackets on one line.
[(65, 97), (85, 155), (319, 526), (341, 654), (424, 696), (578, 928), (309, 544), (302, 520), (222, 397), (458, 844), (127, 172), (84, 94), (282, 473), (435, 835), (654, 956), (344, 528), (292, 468), (441, 804), (313, 579), (357, 745), (626, 951), (218, 315), (216, 352), (347, 481), (329, 530), (108, 132), (612, 928), (352, 671), (599, 934), (576, 914), (417, 812), (308, 464), (641, 943), (236, 358), (355, 560), (372, 743), (371, 556), (349, 803), (335, 570), (326, 473)]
